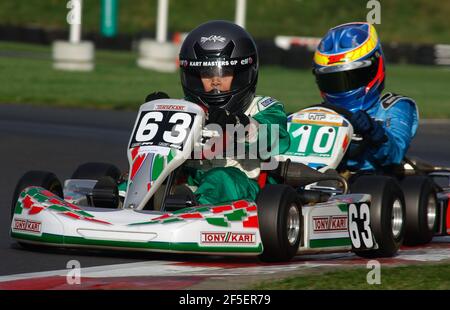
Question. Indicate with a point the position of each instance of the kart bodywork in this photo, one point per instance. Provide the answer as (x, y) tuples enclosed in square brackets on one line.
[(41, 217), (319, 139)]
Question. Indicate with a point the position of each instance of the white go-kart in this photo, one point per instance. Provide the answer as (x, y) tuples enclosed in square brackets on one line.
[(312, 209)]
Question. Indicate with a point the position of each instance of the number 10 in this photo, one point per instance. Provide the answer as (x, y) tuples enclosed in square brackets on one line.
[(304, 132)]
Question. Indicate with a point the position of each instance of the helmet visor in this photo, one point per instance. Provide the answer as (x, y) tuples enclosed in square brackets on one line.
[(343, 78), (217, 76)]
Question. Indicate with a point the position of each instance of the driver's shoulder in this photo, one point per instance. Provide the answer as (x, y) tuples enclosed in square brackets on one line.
[(261, 103), (393, 100), (394, 106)]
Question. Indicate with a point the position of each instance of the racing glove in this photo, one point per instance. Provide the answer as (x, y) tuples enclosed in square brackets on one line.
[(156, 95), (222, 117), (368, 128)]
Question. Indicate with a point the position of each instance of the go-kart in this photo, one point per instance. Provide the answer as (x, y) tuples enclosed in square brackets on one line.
[(151, 208), (425, 188)]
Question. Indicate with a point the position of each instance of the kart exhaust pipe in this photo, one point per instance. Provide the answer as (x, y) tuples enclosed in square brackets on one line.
[(298, 174)]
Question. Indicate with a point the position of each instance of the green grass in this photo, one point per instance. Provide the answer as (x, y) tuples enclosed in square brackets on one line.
[(424, 277), (117, 83), (410, 21)]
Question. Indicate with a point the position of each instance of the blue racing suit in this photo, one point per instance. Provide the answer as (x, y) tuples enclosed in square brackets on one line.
[(399, 117)]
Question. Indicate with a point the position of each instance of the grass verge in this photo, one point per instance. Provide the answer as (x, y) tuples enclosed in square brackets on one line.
[(408, 21), (423, 277), (117, 83)]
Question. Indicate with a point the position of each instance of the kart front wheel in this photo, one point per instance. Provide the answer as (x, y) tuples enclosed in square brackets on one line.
[(44, 179), (96, 171), (421, 209), (387, 213), (279, 215), (105, 193)]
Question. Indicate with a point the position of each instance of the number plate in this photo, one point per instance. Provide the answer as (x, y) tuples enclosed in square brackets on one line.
[(359, 226), (312, 140), (162, 128)]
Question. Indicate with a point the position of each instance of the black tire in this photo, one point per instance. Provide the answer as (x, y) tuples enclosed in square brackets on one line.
[(184, 190), (105, 193), (385, 191), (274, 203), (95, 171), (419, 191), (44, 179)]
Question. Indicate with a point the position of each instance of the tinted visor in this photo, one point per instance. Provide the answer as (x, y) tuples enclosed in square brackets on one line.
[(240, 70), (211, 72), (343, 78)]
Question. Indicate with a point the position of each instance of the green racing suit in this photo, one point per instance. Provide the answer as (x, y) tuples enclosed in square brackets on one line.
[(222, 180)]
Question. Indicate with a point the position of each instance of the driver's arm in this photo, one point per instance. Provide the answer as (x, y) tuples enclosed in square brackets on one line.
[(398, 126), (272, 115)]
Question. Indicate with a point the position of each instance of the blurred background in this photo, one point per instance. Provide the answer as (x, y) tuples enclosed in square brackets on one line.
[(415, 33)]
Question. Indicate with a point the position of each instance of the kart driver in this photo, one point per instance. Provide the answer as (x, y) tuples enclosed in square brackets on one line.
[(349, 67), (219, 71)]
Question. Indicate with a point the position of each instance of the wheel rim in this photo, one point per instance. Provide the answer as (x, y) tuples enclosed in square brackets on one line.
[(431, 212), (397, 218), (293, 224)]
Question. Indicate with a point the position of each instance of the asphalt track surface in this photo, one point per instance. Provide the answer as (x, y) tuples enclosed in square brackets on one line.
[(58, 140)]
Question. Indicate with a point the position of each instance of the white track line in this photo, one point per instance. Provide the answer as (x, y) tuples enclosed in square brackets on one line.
[(169, 268), (162, 268)]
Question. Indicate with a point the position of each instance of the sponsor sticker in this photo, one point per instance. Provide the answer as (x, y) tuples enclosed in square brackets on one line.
[(327, 224), (227, 238), (316, 116), (170, 107), (319, 117), (268, 101), (27, 225), (247, 61), (214, 63), (184, 63), (212, 38)]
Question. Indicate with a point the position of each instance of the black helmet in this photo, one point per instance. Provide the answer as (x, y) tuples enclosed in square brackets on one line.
[(219, 48)]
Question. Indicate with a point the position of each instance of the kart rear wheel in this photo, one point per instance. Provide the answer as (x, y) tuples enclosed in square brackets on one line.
[(280, 218), (387, 213), (421, 209), (44, 179), (95, 171)]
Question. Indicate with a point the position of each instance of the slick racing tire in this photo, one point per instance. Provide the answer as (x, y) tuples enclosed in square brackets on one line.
[(280, 222), (387, 213), (421, 209), (44, 179), (105, 193), (96, 171)]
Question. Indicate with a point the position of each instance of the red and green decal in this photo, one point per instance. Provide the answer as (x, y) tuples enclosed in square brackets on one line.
[(35, 199), (157, 167), (158, 164), (170, 156), (238, 211), (137, 163), (152, 245)]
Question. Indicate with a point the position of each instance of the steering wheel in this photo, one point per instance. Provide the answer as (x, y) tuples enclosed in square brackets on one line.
[(358, 139)]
